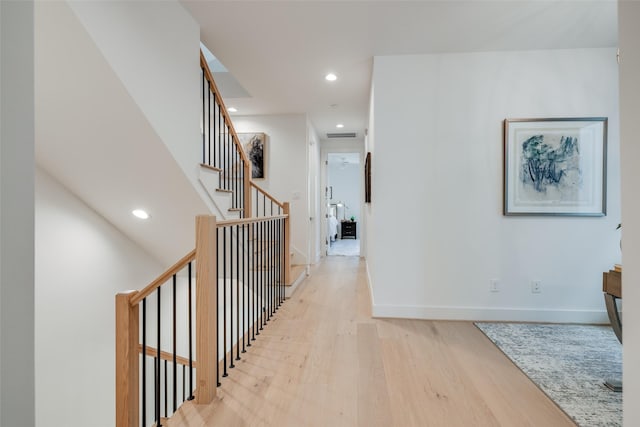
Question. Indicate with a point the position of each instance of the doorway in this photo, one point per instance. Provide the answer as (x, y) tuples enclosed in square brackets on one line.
[(343, 204)]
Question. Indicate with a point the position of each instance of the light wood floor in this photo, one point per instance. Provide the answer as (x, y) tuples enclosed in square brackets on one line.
[(323, 361)]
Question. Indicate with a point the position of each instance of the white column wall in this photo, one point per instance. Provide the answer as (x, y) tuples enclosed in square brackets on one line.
[(629, 35), (16, 214)]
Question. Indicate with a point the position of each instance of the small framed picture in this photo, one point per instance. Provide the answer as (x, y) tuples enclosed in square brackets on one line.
[(555, 166), (255, 147)]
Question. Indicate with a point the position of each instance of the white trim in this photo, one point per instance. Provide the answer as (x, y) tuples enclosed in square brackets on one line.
[(289, 290), (369, 284), (489, 314)]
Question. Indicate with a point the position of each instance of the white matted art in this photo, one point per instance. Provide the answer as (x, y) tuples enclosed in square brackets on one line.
[(555, 166)]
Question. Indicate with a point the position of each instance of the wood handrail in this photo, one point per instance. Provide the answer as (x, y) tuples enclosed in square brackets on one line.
[(229, 123), (164, 355), (163, 278), (229, 222), (269, 196)]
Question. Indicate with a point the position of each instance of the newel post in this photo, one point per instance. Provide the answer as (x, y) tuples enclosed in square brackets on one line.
[(127, 363), (206, 308), (287, 243), (248, 212)]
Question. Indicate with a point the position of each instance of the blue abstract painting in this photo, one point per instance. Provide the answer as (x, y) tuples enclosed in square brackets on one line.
[(548, 162), (555, 166)]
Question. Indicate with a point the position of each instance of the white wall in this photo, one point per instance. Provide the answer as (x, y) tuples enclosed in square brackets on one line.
[(81, 262), (16, 214), (287, 170), (153, 47), (629, 35), (315, 202), (438, 153), (346, 180)]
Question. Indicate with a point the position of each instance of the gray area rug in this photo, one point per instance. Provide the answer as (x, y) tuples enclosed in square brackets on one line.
[(569, 363)]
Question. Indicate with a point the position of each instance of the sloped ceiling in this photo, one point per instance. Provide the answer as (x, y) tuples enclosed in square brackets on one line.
[(92, 137), (279, 51)]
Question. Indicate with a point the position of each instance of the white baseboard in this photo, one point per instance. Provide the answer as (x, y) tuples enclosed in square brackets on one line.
[(289, 290), (490, 314)]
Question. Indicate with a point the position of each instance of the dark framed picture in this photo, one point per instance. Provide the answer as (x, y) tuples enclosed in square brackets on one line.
[(367, 179), (255, 147), (555, 166)]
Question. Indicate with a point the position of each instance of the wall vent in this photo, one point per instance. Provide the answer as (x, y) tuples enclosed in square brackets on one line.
[(341, 135)]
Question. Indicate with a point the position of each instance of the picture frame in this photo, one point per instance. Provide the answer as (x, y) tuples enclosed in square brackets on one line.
[(255, 147), (367, 178), (555, 166)]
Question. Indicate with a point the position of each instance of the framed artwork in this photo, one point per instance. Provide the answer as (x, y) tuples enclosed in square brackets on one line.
[(555, 166), (255, 147), (367, 179)]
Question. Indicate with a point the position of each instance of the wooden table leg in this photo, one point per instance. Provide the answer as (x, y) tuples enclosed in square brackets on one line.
[(616, 324), (614, 315)]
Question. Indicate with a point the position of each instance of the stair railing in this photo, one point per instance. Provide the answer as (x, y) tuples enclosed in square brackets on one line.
[(221, 147), (239, 269)]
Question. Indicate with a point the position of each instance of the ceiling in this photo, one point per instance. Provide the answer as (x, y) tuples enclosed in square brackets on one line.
[(280, 51)]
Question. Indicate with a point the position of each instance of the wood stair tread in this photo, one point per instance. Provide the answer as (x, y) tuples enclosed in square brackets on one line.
[(213, 168), (222, 190)]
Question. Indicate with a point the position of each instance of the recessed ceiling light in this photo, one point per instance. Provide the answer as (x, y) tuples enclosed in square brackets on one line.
[(232, 109), (331, 77), (339, 125), (139, 213)]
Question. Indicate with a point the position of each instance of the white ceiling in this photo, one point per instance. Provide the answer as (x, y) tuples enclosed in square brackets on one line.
[(279, 51)]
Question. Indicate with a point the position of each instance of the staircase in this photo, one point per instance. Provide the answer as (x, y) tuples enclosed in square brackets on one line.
[(178, 338)]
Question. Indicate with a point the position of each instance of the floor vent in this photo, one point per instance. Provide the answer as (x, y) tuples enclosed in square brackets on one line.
[(341, 135)]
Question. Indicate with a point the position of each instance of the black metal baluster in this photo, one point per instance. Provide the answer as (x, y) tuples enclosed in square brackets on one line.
[(252, 310), (156, 391), (235, 173), (245, 313), (219, 135), (184, 382), (281, 259), (269, 271), (217, 312), (166, 403), (175, 349), (237, 295), (190, 340), (209, 118), (258, 281), (231, 262), (203, 118), (215, 133), (224, 299), (273, 265), (242, 189), (264, 205), (277, 262), (144, 361), (260, 277), (257, 205), (158, 373)]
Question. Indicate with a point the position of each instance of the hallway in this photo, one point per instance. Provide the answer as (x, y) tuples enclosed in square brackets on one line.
[(323, 361)]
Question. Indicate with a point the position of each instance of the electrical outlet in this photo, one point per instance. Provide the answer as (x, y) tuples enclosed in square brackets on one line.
[(536, 286), (494, 285)]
